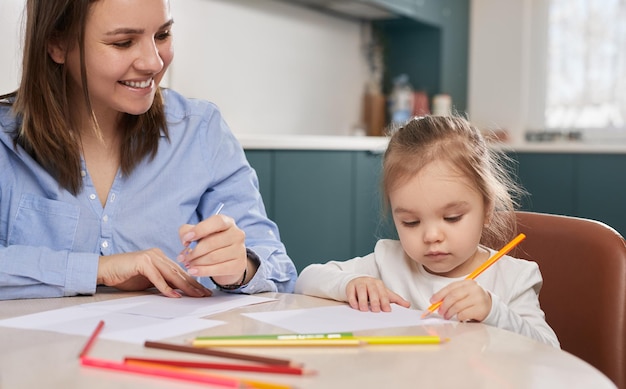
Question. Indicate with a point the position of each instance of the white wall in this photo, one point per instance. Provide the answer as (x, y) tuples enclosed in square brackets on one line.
[(272, 67), (497, 69), (506, 64), (10, 46)]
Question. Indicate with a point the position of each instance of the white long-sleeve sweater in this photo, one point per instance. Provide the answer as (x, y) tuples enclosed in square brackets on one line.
[(514, 285)]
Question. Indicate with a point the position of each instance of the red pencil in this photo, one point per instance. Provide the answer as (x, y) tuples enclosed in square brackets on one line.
[(91, 339), (225, 366), (220, 353)]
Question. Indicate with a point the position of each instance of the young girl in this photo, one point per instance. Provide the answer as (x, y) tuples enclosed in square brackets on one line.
[(443, 185)]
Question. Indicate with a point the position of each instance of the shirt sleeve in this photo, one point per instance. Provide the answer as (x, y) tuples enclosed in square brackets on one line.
[(232, 181), (42, 273), (330, 280), (522, 313)]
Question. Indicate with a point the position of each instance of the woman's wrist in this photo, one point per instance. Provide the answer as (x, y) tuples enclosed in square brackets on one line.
[(252, 264)]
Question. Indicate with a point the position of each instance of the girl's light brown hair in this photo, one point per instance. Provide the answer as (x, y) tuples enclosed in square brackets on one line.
[(453, 139), (42, 102)]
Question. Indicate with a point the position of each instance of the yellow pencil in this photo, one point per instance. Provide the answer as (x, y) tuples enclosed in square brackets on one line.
[(509, 246), (354, 341), (382, 340), (275, 342)]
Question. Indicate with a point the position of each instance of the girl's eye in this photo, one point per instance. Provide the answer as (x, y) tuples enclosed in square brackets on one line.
[(453, 219), (411, 223)]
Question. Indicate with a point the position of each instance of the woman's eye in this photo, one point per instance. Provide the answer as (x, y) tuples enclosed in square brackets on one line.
[(163, 35), (122, 44)]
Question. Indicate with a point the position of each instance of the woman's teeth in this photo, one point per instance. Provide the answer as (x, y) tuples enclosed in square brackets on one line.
[(138, 84)]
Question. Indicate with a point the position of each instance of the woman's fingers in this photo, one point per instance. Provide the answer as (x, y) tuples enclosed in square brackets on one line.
[(143, 269)]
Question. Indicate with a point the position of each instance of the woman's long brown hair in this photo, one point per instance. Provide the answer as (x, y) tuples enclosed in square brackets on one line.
[(42, 102)]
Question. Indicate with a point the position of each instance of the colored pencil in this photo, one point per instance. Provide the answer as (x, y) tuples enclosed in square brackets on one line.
[(243, 382), (91, 339), (508, 247), (271, 340), (277, 342), (337, 335), (398, 340), (225, 366), (219, 353), (163, 371)]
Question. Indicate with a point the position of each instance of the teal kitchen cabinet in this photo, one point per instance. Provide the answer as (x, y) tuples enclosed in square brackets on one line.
[(426, 11), (326, 203), (549, 180), (371, 222), (430, 44), (601, 189), (313, 201), (261, 161), (575, 184)]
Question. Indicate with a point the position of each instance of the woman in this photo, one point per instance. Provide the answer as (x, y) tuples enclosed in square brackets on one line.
[(106, 179)]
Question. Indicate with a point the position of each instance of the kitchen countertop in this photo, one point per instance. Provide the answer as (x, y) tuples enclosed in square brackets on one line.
[(379, 144), (312, 142)]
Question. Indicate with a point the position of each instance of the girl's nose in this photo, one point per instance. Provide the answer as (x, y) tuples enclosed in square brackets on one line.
[(433, 234)]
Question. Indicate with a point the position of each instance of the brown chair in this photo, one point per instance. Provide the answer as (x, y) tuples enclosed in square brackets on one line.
[(583, 263)]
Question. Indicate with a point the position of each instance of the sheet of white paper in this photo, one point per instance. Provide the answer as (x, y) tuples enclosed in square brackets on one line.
[(168, 308), (342, 318), (136, 319)]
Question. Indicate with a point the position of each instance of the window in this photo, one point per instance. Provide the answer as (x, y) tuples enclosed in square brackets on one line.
[(586, 67)]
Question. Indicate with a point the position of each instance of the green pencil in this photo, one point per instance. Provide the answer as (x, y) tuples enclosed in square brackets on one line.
[(337, 335)]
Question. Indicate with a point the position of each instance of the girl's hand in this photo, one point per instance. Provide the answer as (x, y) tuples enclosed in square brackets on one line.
[(465, 299), (220, 250), (144, 269), (368, 293)]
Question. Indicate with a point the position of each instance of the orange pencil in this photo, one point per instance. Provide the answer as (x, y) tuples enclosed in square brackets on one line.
[(277, 369), (509, 246)]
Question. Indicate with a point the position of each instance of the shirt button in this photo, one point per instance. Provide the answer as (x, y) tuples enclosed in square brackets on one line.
[(92, 196), (112, 197), (105, 218), (83, 173), (105, 244)]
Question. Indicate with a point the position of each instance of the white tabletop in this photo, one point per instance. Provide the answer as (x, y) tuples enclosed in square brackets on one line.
[(477, 356)]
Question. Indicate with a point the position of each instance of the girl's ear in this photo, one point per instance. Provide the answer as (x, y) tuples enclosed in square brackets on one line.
[(56, 51), (489, 210)]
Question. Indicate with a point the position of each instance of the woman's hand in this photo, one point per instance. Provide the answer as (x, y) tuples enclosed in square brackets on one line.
[(220, 250), (369, 293), (465, 299), (144, 269)]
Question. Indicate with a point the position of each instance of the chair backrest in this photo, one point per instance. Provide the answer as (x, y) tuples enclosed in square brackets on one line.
[(583, 264)]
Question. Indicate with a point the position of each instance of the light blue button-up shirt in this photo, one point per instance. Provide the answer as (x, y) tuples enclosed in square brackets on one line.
[(50, 240)]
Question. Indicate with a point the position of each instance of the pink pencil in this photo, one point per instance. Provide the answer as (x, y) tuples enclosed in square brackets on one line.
[(91, 339), (174, 373)]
